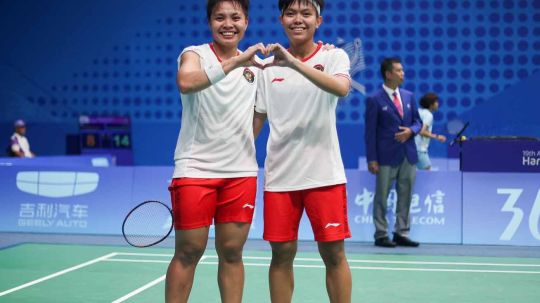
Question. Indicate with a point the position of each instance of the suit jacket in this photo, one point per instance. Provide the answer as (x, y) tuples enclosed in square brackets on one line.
[(383, 122)]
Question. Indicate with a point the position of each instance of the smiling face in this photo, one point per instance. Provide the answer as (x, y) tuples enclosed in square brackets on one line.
[(228, 23), (300, 21)]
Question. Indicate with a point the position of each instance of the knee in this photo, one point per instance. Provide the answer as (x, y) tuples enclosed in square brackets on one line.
[(332, 256), (333, 260), (229, 253), (283, 255), (189, 255)]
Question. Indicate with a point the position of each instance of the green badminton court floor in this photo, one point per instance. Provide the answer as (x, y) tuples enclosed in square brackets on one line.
[(73, 273)]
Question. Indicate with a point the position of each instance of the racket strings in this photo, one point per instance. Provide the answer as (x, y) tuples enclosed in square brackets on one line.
[(147, 224)]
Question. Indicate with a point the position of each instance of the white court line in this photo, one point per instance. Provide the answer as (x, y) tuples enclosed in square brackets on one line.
[(408, 262), (352, 267), (402, 262), (143, 288), (399, 268), (361, 261), (56, 274), (446, 263), (138, 260), (144, 254), (139, 290)]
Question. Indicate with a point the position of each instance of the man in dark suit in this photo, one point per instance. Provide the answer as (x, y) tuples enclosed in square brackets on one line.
[(392, 121)]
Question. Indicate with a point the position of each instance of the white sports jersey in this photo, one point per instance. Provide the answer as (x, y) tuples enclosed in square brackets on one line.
[(20, 144), (303, 147), (216, 135), (422, 143)]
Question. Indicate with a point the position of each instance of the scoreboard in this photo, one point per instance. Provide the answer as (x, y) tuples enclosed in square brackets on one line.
[(106, 135)]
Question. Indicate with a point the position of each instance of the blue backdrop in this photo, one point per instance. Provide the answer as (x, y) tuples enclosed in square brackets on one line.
[(60, 59)]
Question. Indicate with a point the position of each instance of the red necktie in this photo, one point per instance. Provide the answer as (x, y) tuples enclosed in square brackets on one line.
[(398, 104)]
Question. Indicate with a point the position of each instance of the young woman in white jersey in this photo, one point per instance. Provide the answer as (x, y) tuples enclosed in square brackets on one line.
[(215, 167), (298, 93)]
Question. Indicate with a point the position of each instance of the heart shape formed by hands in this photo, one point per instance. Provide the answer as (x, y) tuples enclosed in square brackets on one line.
[(282, 57)]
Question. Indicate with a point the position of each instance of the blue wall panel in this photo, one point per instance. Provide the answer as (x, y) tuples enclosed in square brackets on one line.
[(501, 208), (53, 202), (447, 206), (60, 59)]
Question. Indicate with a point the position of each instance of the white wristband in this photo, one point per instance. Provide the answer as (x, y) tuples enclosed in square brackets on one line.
[(215, 73)]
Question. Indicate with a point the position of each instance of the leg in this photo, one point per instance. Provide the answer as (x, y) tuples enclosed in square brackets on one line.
[(404, 187), (230, 240), (384, 182), (423, 161), (193, 202), (189, 247), (234, 212), (326, 208), (282, 214), (428, 160), (338, 273), (281, 271)]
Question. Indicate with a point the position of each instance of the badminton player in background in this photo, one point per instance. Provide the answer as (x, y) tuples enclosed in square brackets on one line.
[(429, 103), (215, 166), (298, 93)]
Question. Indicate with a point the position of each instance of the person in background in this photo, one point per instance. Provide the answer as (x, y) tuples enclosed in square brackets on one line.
[(298, 93), (19, 145), (391, 122), (429, 103)]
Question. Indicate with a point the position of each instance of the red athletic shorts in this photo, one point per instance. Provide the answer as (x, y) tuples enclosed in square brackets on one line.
[(326, 208), (196, 201)]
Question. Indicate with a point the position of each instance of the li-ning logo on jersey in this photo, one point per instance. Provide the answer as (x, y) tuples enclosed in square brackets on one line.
[(319, 67), (277, 80), (249, 75), (247, 205), (55, 184), (332, 225)]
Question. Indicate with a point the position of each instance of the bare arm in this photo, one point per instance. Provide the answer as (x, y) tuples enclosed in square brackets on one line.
[(258, 122), (336, 85), (191, 77), (424, 132), (17, 150)]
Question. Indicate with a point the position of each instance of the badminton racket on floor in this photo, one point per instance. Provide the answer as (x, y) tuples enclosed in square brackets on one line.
[(147, 224)]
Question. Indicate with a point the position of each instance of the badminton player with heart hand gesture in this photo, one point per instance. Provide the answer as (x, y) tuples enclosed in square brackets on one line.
[(298, 93), (215, 167)]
